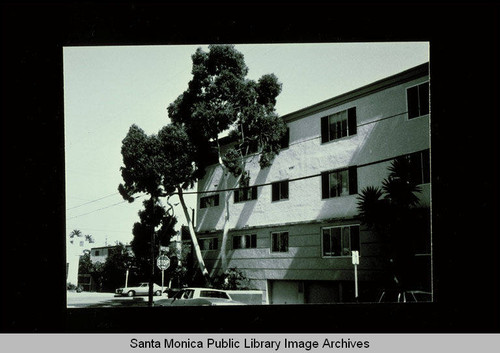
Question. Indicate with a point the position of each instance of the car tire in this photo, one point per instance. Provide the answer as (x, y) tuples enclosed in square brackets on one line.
[(130, 293), (158, 293)]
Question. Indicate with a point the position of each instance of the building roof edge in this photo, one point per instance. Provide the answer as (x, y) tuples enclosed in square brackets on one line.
[(399, 78)]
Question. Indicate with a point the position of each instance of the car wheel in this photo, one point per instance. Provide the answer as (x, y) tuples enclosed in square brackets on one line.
[(158, 293), (130, 293)]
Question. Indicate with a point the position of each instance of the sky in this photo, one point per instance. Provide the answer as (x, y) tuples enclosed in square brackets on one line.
[(109, 88)]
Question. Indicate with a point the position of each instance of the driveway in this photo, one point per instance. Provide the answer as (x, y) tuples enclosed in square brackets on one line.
[(105, 300)]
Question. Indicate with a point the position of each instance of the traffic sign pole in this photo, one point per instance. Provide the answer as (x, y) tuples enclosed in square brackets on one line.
[(163, 263), (356, 282), (355, 262), (162, 277)]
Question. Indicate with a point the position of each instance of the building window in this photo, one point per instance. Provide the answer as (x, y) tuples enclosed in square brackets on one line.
[(247, 241), (208, 243), (209, 201), (285, 140), (418, 100), (341, 182), (340, 241), (96, 253), (419, 167), (279, 190), (279, 242), (338, 125), (245, 193)]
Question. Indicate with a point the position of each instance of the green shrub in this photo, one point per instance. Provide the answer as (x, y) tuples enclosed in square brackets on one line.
[(232, 279)]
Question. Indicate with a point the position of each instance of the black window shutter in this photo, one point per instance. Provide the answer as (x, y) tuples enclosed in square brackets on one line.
[(354, 238), (351, 116), (284, 189), (325, 187), (236, 196), (423, 96), (412, 96), (324, 129), (353, 180), (216, 200), (275, 191), (254, 193), (285, 140)]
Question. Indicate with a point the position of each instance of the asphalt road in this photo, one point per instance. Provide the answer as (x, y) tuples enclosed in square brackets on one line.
[(105, 300)]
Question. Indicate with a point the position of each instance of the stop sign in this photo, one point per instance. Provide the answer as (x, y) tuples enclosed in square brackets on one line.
[(163, 262)]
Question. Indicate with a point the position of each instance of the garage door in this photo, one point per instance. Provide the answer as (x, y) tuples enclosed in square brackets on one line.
[(286, 292)]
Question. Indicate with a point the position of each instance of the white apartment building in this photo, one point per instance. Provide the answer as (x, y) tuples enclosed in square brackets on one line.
[(293, 229)]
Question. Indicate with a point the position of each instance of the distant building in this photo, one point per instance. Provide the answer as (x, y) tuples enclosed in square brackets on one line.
[(101, 253), (75, 248), (293, 228)]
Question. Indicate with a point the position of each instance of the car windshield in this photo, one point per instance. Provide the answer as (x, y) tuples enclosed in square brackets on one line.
[(184, 294), (213, 294)]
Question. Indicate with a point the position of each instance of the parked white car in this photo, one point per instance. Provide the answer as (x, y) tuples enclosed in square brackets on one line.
[(199, 296), (141, 289)]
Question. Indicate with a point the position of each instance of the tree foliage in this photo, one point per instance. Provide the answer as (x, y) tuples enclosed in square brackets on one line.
[(151, 167), (85, 265), (114, 269), (220, 98), (233, 279)]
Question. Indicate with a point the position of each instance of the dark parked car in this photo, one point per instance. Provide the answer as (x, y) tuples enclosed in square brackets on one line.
[(408, 296)]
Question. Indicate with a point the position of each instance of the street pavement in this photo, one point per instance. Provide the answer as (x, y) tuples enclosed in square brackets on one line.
[(106, 300)]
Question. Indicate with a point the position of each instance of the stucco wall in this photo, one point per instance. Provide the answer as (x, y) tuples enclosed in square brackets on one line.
[(383, 132), (303, 260)]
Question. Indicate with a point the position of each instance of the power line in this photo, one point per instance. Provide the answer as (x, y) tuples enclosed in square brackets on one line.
[(103, 208), (257, 185), (86, 203)]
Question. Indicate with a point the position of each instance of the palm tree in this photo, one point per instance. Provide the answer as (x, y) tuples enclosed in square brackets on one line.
[(391, 212), (75, 233)]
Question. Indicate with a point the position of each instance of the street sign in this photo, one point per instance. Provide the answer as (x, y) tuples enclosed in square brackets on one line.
[(163, 248), (355, 257), (163, 262)]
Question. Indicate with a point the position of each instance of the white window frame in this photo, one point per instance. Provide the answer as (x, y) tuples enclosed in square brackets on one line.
[(210, 199), (208, 239), (346, 170), (341, 239), (279, 190), (249, 241), (287, 245), (408, 108)]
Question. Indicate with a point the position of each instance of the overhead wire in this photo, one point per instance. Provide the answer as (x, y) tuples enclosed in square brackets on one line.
[(236, 188)]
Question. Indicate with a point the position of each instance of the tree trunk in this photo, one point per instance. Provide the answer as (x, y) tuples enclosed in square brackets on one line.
[(194, 240), (151, 276), (225, 229)]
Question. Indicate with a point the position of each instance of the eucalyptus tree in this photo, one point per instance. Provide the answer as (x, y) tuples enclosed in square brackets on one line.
[(159, 165), (143, 173), (221, 100)]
